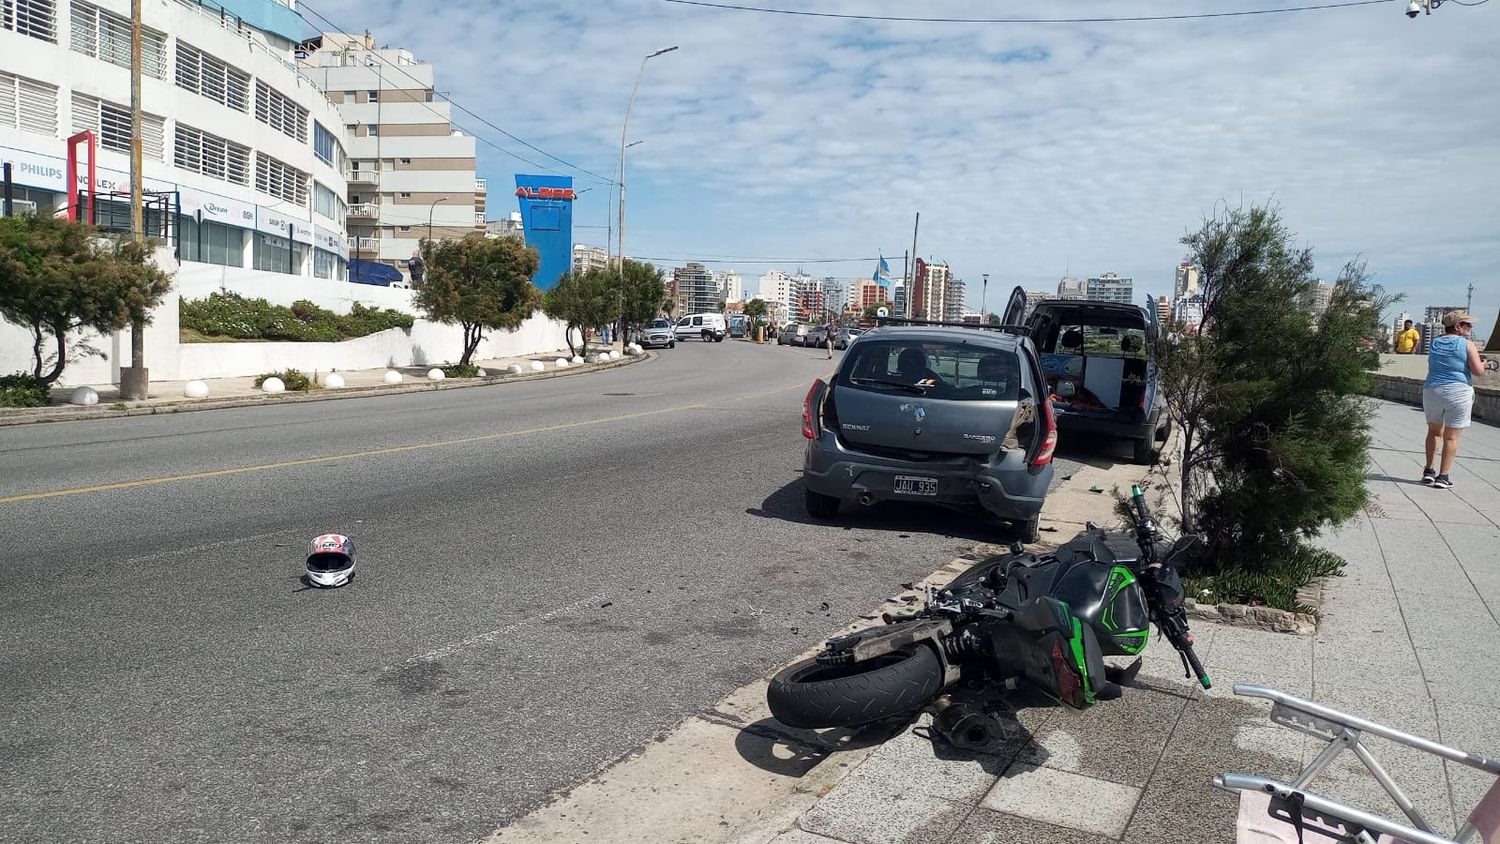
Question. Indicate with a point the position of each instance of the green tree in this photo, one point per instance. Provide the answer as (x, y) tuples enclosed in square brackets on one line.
[(58, 276), (1268, 398), (583, 301), (873, 311), (994, 319), (755, 309), (645, 288), (479, 283)]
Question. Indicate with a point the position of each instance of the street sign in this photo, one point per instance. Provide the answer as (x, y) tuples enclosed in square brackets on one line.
[(883, 312)]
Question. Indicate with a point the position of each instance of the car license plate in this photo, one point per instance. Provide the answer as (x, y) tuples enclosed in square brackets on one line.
[(908, 485)]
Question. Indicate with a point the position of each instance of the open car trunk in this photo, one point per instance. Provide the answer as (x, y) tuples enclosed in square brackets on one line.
[(1103, 353)]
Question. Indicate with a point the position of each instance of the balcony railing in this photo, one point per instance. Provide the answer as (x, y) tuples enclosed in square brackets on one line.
[(363, 244), (481, 186), (365, 210), (479, 217), (364, 177)]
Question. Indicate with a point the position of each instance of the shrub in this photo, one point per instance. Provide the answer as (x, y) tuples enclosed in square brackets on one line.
[(461, 370), (24, 390), (294, 379), (1272, 581), (232, 315)]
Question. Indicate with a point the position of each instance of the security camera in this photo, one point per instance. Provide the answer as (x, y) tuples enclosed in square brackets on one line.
[(1414, 8)]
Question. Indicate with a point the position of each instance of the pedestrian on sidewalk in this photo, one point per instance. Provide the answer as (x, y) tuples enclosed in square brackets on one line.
[(1448, 393), (831, 334), (1408, 340)]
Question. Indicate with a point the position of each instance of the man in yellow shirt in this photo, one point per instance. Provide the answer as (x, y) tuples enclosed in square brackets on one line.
[(1408, 340)]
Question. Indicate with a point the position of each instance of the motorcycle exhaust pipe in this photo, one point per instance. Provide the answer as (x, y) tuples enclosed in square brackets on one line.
[(865, 499), (965, 726)]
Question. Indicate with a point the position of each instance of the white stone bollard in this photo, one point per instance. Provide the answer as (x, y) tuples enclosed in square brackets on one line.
[(480, 373), (84, 396), (562, 363), (333, 381), (514, 369), (633, 351), (195, 390), (273, 385), (537, 366), (614, 354), (392, 376), (578, 359), (435, 374)]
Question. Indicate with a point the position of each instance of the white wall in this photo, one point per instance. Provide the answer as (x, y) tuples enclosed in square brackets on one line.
[(169, 360)]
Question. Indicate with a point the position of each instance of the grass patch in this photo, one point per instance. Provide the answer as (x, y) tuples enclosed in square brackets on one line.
[(295, 380), (461, 370), (1270, 582)]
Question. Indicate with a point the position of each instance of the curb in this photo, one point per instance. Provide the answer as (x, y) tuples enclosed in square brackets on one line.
[(41, 415), (1267, 618)]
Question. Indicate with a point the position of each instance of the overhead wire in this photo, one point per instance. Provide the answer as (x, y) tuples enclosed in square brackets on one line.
[(459, 106), (738, 7)]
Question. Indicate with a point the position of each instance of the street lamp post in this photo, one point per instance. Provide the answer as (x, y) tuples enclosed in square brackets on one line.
[(984, 298), (430, 209), (624, 132)]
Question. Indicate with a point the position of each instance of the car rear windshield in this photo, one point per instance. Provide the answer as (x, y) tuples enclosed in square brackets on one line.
[(1100, 341), (937, 369)]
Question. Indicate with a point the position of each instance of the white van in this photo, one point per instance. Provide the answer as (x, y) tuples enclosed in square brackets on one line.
[(705, 326)]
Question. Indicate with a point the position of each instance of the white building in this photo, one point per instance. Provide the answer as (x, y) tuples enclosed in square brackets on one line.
[(731, 286), (1318, 296), (1185, 284), (1187, 313), (584, 257), (244, 156), (1109, 288), (777, 286), (411, 173)]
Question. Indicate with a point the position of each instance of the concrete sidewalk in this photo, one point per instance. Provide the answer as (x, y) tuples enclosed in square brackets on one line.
[(167, 396), (1408, 638)]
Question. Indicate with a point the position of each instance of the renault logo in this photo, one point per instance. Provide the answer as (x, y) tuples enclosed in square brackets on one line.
[(920, 413)]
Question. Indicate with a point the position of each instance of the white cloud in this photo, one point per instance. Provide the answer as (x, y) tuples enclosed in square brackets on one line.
[(1028, 149)]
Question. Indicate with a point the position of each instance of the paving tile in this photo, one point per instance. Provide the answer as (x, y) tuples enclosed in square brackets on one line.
[(1091, 741), (1475, 729), (1064, 798), (987, 827), (912, 763), (863, 810)]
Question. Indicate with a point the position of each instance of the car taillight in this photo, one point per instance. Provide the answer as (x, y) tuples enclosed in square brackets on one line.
[(1049, 436), (810, 430)]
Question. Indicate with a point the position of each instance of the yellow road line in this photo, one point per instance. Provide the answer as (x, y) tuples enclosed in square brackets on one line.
[(374, 452)]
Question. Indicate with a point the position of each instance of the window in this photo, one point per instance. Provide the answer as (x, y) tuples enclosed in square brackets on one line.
[(210, 243), (277, 111), (374, 96), (34, 18), (406, 161), (209, 77), (372, 128), (324, 200), (939, 369), (354, 198), (106, 35), (278, 255), (323, 143), (28, 104), (280, 180), (349, 95), (210, 155), (406, 228), (112, 122), (327, 264), (406, 194)]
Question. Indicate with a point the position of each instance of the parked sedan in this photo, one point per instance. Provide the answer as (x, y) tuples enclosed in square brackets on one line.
[(944, 415), (846, 337), (658, 333)]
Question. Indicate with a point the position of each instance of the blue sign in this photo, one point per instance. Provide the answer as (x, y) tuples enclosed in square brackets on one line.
[(547, 221)]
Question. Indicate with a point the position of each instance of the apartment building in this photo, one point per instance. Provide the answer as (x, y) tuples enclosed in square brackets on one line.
[(411, 174), (1110, 287), (588, 257), (696, 292)]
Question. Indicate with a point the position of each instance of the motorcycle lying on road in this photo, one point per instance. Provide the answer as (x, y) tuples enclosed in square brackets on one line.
[(1047, 620)]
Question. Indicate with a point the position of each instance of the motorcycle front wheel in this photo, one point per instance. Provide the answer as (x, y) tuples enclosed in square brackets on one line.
[(811, 695)]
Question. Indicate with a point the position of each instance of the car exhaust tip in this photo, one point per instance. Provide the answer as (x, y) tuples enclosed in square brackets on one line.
[(865, 499)]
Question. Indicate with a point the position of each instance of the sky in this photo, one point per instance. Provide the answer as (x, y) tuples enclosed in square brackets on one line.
[(1031, 150)]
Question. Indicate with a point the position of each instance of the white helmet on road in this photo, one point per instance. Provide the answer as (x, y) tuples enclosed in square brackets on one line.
[(330, 560)]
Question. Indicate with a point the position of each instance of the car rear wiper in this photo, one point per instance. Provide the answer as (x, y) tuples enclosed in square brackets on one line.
[(915, 389)]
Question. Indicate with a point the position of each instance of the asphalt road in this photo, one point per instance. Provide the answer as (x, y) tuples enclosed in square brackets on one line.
[(550, 574)]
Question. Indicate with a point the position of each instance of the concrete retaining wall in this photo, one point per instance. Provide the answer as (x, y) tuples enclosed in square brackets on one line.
[(169, 360), (1409, 391)]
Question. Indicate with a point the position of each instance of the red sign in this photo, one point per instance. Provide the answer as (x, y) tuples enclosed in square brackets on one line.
[(545, 193)]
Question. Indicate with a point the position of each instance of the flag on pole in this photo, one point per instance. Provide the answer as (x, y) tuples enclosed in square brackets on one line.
[(883, 273)]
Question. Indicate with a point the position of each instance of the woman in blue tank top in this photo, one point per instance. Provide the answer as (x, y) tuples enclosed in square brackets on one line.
[(1448, 394)]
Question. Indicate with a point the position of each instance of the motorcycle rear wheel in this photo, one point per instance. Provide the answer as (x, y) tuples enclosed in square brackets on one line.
[(810, 695)]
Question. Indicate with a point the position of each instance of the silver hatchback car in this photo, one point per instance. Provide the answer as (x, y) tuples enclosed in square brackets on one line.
[(934, 413)]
